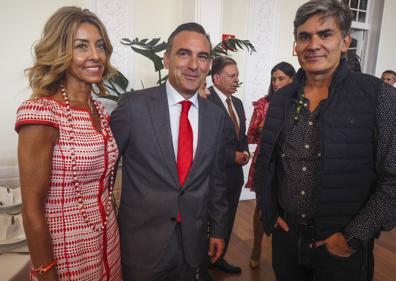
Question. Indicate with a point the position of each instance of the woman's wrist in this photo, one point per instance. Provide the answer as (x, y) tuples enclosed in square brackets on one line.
[(44, 268)]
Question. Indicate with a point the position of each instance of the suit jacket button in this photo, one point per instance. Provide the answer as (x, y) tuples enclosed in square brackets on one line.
[(181, 192), (173, 219)]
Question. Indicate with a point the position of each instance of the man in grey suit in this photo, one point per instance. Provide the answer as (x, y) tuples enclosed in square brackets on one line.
[(169, 197), (225, 77)]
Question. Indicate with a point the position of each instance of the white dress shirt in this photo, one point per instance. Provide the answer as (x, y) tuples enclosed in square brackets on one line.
[(174, 113), (223, 99)]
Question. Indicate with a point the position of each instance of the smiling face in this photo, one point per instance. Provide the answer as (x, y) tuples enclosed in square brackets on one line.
[(279, 79), (89, 55), (188, 62), (319, 44)]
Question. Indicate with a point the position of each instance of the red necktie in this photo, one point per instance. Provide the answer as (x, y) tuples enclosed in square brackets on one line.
[(233, 116), (185, 146), (185, 143)]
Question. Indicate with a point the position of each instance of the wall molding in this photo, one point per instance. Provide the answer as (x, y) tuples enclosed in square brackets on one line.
[(209, 13), (262, 32)]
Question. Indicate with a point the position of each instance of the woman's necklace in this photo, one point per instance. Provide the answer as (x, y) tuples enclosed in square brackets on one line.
[(105, 129)]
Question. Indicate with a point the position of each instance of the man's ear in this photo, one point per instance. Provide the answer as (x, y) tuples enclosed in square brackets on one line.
[(346, 41), (216, 78), (166, 60)]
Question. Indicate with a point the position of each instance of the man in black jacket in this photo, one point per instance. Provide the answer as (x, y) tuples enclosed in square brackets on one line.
[(326, 172)]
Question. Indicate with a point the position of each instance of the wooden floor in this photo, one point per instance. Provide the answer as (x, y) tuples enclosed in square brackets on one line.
[(241, 243)]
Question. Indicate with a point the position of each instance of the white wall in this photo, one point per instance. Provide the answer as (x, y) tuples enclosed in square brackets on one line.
[(235, 20), (386, 58), (152, 19), (287, 12), (21, 23)]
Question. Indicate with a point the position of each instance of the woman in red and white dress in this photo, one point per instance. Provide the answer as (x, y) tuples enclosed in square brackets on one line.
[(67, 153), (281, 75)]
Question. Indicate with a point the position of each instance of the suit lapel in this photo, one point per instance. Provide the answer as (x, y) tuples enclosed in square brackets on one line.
[(238, 109), (214, 97), (159, 112), (203, 119)]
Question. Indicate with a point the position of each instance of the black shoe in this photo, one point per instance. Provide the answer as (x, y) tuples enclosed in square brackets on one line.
[(222, 265), (205, 276)]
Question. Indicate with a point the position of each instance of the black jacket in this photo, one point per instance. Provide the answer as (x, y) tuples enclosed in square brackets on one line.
[(347, 133)]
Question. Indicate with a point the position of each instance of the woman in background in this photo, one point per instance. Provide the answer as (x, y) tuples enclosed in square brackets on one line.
[(281, 75), (67, 153)]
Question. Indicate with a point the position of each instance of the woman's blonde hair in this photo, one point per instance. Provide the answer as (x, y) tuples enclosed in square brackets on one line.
[(54, 51)]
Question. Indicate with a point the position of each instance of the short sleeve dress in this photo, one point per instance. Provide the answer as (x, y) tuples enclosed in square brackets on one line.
[(81, 252)]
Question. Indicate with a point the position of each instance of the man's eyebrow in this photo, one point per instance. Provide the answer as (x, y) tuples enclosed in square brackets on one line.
[(305, 33), (203, 53), (325, 31), (317, 32), (183, 50)]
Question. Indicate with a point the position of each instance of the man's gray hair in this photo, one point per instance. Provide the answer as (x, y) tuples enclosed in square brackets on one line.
[(326, 8)]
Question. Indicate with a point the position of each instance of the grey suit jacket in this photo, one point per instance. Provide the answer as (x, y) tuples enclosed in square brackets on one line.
[(151, 195)]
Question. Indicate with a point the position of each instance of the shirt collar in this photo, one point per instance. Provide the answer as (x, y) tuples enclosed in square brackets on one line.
[(222, 96), (174, 97)]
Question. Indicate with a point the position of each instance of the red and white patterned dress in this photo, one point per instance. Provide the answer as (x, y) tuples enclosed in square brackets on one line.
[(260, 109), (81, 252)]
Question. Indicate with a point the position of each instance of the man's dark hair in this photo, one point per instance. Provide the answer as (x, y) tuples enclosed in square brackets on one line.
[(389, 72), (219, 63), (326, 8), (189, 26)]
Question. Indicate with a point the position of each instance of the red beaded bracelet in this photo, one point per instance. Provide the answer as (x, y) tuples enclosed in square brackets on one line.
[(43, 268)]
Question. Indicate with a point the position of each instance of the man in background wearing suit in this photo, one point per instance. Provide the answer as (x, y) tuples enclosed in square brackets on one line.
[(225, 83), (171, 142)]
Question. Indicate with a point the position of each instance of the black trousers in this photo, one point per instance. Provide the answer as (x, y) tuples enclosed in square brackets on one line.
[(233, 195), (172, 266), (294, 260)]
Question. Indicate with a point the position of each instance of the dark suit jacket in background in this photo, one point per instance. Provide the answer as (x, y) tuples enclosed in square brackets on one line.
[(151, 195), (233, 171), (232, 142)]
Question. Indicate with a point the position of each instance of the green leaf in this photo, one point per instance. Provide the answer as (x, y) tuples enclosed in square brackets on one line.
[(126, 41), (153, 42), (162, 80), (161, 47), (110, 97), (232, 45), (157, 60), (120, 80)]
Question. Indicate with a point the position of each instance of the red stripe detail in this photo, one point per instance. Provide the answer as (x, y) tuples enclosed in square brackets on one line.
[(64, 104), (66, 254), (34, 122), (103, 210)]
